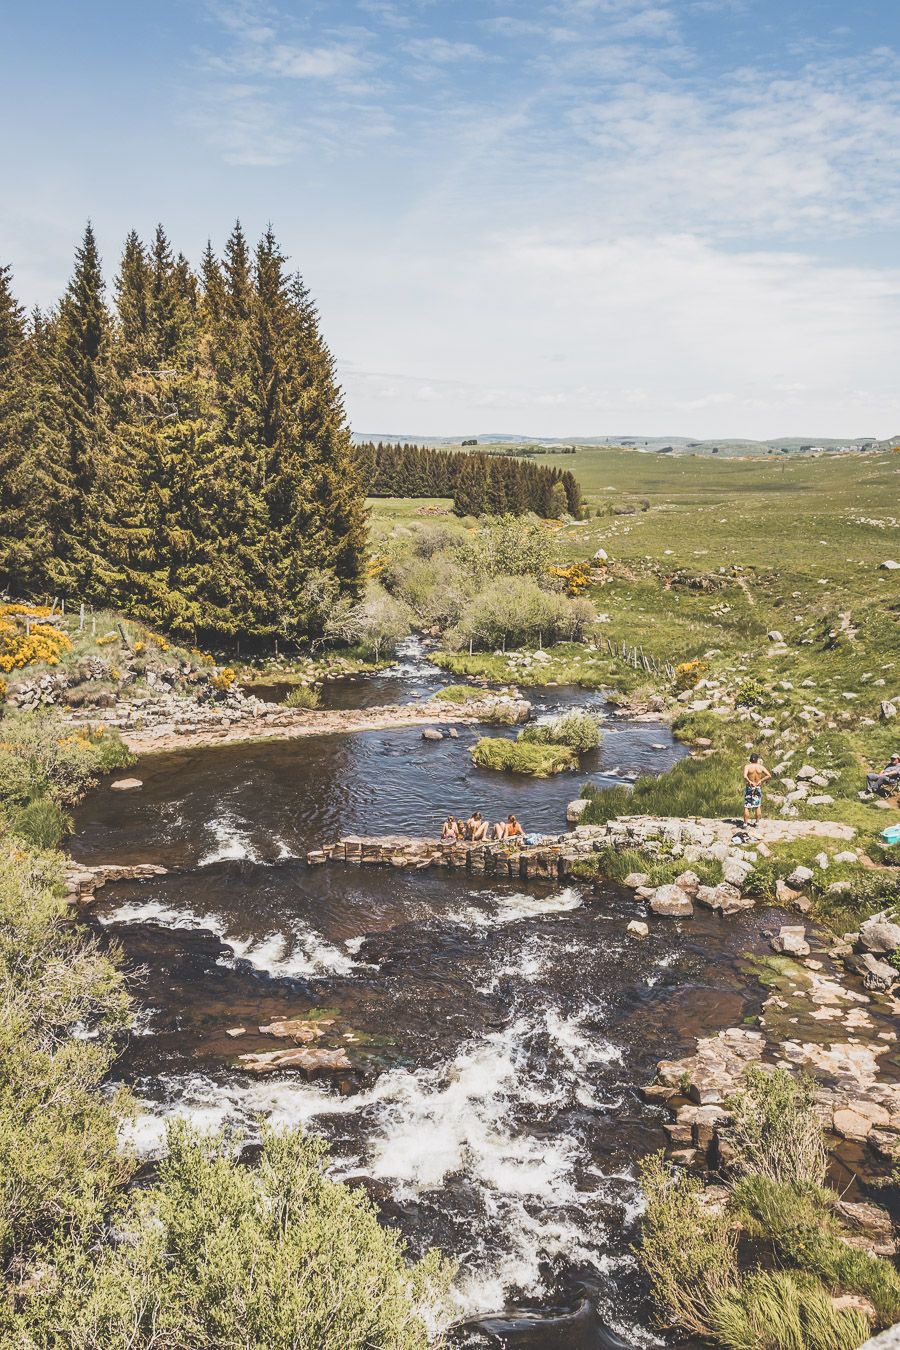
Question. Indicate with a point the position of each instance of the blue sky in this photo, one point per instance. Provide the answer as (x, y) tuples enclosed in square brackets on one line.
[(568, 218)]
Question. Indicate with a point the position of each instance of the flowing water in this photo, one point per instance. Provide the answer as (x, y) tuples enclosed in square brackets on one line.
[(499, 1033)]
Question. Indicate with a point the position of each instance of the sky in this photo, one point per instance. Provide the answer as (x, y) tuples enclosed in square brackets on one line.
[(564, 218)]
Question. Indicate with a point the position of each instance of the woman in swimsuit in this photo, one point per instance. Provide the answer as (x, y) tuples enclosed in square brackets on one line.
[(477, 827), (450, 834)]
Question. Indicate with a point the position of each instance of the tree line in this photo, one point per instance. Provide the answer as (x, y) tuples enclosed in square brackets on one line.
[(480, 483), (181, 453)]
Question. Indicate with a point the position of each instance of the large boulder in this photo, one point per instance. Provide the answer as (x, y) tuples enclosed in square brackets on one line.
[(576, 809), (880, 934), (672, 902)]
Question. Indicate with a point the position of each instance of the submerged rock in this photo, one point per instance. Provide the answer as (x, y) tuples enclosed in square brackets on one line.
[(297, 1058), (791, 940)]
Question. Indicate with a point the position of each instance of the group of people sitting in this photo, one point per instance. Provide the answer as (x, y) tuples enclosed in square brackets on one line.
[(478, 830)]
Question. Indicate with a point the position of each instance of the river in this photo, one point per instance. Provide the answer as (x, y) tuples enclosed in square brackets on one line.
[(499, 1033)]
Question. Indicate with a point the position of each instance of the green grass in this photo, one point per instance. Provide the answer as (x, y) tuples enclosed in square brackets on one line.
[(540, 761), (459, 693), (693, 787), (579, 731)]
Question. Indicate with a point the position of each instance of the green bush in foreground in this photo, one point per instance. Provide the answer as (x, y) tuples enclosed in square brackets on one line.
[(800, 1223), (218, 1255), (541, 761), (579, 731), (690, 1253)]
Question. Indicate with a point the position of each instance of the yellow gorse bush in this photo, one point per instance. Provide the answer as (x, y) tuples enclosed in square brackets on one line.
[(224, 678), (577, 576), (689, 673), (43, 644)]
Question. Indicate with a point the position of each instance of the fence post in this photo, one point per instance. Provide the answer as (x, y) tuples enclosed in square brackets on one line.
[(81, 617)]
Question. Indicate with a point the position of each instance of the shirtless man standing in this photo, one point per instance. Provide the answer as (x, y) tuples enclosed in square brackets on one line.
[(755, 774)]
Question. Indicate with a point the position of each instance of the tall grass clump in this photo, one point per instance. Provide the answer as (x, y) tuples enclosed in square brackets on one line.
[(541, 761), (774, 1130), (779, 1310), (580, 731), (216, 1254), (303, 697), (689, 1254)]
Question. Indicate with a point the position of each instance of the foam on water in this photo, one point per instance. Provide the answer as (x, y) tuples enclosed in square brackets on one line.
[(300, 953), (232, 842), (509, 907), (477, 1119)]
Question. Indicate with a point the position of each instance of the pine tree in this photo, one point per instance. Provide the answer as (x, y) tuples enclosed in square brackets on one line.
[(15, 560), (82, 379)]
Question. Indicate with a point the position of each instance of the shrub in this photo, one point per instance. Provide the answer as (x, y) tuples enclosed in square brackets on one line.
[(218, 1255), (774, 1130), (60, 1161), (541, 761), (777, 1310), (579, 731), (688, 674), (516, 611), (303, 697), (224, 678), (373, 625), (751, 693), (40, 756), (688, 1253)]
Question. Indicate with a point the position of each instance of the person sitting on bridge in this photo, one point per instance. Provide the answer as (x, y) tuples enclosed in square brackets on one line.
[(476, 827), (889, 776), (508, 829), (450, 834)]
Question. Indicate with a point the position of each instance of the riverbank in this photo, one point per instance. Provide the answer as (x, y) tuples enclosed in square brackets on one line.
[(276, 723)]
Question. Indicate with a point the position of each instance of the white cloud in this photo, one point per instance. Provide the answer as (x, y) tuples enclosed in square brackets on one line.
[(668, 335), (441, 51)]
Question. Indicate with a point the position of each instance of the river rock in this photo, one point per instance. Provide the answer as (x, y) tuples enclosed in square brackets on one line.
[(880, 934), (850, 1124), (432, 734), (785, 894), (799, 877), (735, 871), (689, 882), (638, 929), (576, 809), (296, 1058), (791, 940), (672, 902), (126, 784), (870, 1227), (635, 880), (877, 975), (298, 1028)]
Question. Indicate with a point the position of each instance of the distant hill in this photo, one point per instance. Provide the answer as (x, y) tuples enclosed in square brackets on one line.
[(674, 445)]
